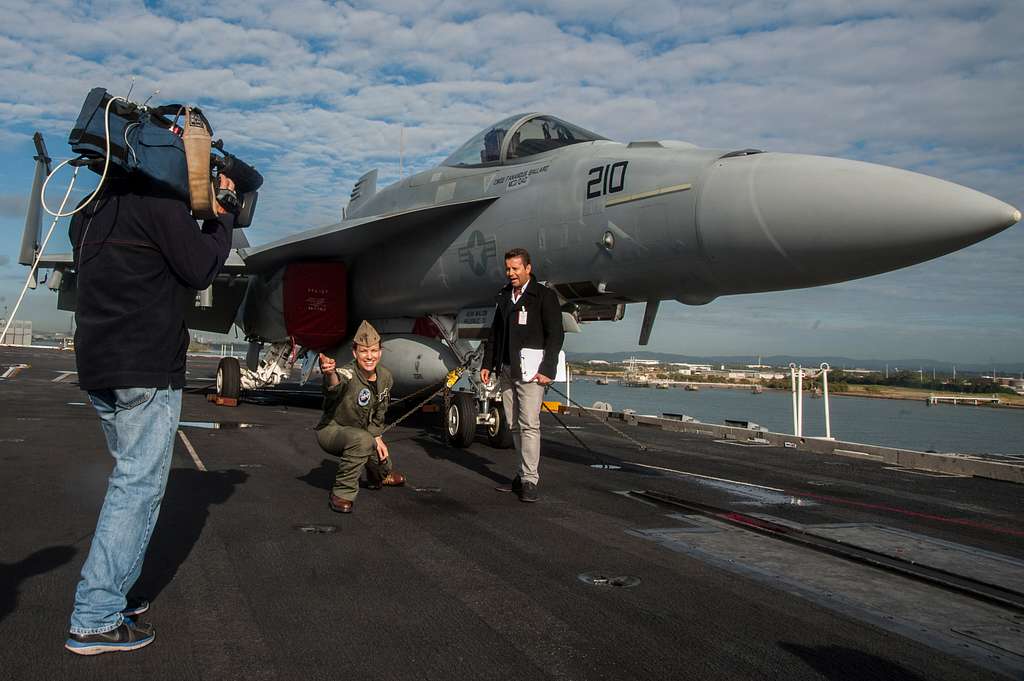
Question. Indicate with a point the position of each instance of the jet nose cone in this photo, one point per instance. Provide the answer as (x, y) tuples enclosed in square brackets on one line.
[(796, 220)]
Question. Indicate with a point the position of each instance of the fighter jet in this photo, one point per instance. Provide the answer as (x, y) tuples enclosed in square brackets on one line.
[(607, 223)]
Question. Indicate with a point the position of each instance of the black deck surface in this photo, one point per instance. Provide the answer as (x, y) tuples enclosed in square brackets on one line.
[(447, 578)]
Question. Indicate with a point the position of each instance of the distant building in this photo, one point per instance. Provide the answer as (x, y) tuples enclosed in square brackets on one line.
[(20, 332), (686, 367)]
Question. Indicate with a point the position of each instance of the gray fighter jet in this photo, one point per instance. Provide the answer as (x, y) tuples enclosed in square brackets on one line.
[(607, 224)]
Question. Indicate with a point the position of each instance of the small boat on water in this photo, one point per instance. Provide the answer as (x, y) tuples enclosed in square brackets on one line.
[(602, 381), (757, 389), (662, 386), (692, 387)]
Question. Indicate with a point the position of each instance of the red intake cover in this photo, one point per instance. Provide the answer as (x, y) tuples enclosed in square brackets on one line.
[(315, 303)]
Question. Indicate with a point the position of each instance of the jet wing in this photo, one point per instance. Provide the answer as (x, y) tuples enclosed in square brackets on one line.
[(234, 264), (56, 260), (350, 237)]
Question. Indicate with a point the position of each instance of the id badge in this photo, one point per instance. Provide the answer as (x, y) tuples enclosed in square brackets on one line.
[(522, 317)]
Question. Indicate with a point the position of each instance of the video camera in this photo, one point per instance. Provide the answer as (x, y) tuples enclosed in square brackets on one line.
[(170, 146)]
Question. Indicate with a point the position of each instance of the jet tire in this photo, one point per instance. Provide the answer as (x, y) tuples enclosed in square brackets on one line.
[(499, 435), (229, 378), (460, 419)]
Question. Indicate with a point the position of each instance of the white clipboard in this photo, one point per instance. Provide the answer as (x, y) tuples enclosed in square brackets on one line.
[(530, 359)]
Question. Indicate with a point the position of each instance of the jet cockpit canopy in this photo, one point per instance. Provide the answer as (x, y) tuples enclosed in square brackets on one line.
[(517, 137)]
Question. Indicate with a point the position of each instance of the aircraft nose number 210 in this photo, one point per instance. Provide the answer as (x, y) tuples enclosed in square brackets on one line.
[(607, 179)]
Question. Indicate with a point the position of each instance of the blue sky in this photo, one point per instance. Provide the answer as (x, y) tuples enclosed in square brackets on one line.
[(317, 93)]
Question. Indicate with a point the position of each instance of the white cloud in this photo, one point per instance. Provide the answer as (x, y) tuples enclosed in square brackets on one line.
[(316, 93)]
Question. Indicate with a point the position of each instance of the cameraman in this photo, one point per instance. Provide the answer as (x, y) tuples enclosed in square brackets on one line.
[(140, 258)]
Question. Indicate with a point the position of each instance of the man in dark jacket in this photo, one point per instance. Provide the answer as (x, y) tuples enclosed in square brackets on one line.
[(355, 404), (528, 316), (140, 257)]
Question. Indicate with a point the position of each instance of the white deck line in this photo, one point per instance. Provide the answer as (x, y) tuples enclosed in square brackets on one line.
[(192, 451), (698, 475)]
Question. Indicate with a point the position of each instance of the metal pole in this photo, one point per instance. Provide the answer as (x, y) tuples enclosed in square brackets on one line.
[(800, 401), (824, 392), (792, 390), (568, 384)]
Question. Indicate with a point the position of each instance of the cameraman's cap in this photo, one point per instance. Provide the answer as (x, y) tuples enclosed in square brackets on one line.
[(366, 335)]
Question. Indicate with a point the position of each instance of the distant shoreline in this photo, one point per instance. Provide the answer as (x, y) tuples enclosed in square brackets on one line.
[(913, 394), (883, 392)]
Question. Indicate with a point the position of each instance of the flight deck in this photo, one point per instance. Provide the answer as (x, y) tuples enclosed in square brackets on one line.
[(698, 557)]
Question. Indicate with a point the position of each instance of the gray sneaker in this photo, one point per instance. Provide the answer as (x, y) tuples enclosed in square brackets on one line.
[(129, 636), (528, 493)]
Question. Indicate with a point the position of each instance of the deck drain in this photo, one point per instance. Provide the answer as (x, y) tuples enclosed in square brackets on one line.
[(250, 465), (606, 466), (317, 529), (426, 489), (601, 579)]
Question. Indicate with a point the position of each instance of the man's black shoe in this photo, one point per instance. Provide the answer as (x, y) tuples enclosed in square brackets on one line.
[(528, 493), (129, 636), (516, 487)]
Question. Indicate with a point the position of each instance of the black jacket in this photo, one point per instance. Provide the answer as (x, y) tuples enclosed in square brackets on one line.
[(543, 329), (139, 260)]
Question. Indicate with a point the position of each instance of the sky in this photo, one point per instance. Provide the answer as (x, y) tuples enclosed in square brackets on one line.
[(315, 94)]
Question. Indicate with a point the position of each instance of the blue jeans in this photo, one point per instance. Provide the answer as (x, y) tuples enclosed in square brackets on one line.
[(140, 424)]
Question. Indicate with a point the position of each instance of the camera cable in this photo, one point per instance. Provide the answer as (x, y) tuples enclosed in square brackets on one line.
[(106, 165)]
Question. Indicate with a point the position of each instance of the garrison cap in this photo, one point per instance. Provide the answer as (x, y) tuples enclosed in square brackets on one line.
[(366, 335)]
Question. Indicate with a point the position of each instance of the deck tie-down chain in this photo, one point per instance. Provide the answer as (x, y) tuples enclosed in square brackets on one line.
[(639, 444), (455, 374), (450, 380)]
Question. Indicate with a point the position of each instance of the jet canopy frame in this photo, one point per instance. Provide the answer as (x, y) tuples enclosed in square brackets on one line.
[(516, 138)]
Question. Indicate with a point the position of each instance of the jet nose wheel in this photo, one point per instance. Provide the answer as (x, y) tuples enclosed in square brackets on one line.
[(229, 378), (499, 435), (460, 419)]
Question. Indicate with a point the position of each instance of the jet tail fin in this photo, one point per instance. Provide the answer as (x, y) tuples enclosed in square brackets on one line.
[(34, 217), (364, 188)]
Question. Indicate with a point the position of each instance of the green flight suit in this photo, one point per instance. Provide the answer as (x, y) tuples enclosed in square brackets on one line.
[(353, 416)]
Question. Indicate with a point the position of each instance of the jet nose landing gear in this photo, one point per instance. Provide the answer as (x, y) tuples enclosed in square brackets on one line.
[(499, 434), (462, 415)]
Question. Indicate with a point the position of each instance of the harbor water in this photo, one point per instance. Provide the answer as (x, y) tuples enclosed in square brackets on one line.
[(910, 424)]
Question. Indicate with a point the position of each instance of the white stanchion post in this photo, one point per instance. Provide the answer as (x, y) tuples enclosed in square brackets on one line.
[(792, 390), (800, 401), (824, 393)]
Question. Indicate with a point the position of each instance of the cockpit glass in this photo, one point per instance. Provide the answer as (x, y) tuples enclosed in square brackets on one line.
[(536, 135), (484, 147), (544, 133)]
